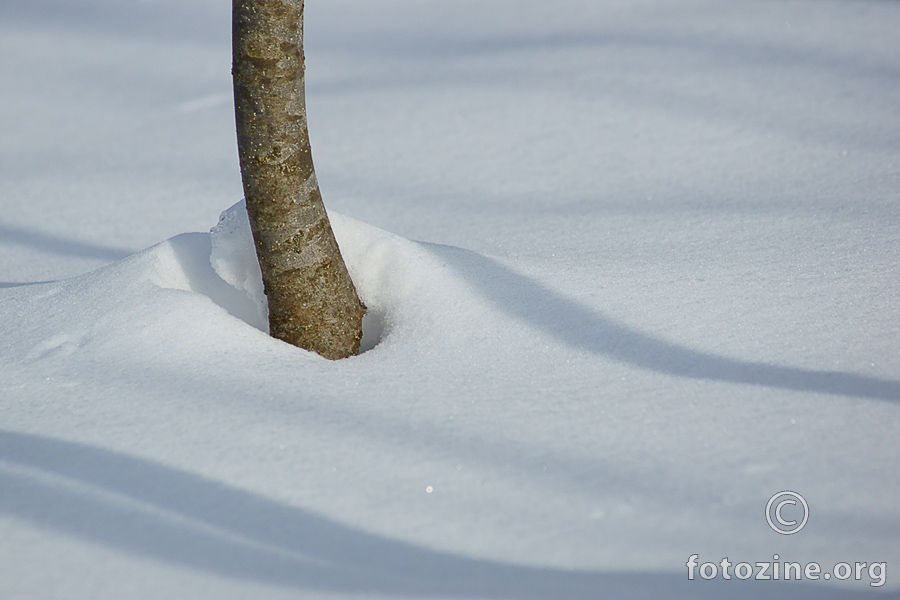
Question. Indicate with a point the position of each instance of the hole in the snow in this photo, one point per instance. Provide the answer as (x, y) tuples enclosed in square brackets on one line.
[(373, 329)]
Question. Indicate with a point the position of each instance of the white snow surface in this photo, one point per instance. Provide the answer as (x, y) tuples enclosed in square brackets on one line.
[(631, 269), (232, 256)]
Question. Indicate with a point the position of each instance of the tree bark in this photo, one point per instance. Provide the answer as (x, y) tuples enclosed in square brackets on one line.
[(312, 301)]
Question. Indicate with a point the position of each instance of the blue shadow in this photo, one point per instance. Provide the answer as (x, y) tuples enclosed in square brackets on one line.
[(580, 327), (147, 509)]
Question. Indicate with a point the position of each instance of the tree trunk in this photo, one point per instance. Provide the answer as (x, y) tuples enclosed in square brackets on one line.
[(312, 301)]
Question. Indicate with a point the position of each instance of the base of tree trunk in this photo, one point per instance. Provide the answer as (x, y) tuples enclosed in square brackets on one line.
[(312, 301)]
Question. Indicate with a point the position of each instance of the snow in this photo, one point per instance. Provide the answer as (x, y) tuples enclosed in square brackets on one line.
[(232, 256), (631, 269)]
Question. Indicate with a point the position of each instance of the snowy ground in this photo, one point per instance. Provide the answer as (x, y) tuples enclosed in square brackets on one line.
[(632, 267)]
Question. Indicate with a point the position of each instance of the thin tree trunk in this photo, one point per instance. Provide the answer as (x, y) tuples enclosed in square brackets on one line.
[(312, 301)]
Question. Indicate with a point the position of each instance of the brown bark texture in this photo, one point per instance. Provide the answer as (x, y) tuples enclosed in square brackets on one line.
[(312, 301)]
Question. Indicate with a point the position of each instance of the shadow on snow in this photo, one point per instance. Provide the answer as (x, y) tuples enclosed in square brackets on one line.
[(52, 244), (580, 327), (141, 507)]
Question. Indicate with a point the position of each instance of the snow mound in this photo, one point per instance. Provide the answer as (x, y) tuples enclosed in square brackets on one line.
[(406, 288), (399, 281)]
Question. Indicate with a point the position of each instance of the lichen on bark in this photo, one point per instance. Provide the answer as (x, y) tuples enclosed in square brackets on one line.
[(312, 301)]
